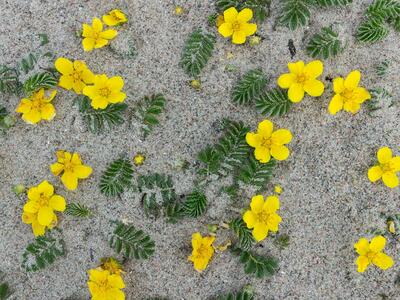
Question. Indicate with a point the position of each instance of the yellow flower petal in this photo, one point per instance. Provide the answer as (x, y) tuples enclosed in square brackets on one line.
[(249, 218), (265, 128), (390, 179), (297, 67), (286, 80), (248, 28), (108, 34), (352, 80), (238, 37), (46, 188), (97, 25), (99, 103), (117, 97), (45, 215), (362, 263), (28, 218), (116, 281), (116, 83), (314, 88), (335, 105), (375, 173), (100, 42), (82, 171), (382, 261), (48, 112), (225, 29), (362, 246), (296, 92), (260, 231), (377, 244), (57, 203), (230, 15), (31, 207), (395, 164), (24, 106), (38, 229), (66, 82), (64, 66), (271, 204), (32, 117), (196, 240), (109, 20), (361, 94), (97, 275), (88, 44), (384, 155), (253, 139), (338, 85), (56, 168), (314, 68), (280, 152), (262, 154), (76, 159), (351, 106), (33, 194), (69, 180), (87, 30), (87, 76), (257, 203), (273, 222), (281, 137), (245, 15)]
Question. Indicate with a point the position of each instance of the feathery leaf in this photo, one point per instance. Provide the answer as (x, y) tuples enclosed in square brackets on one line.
[(244, 234), (195, 204), (77, 210), (372, 30), (382, 68), (246, 293), (294, 13), (132, 242), (257, 174), (332, 2), (9, 82), (198, 50), (97, 120), (260, 8), (116, 178), (223, 5), (324, 44), (274, 102), (249, 87), (38, 81)]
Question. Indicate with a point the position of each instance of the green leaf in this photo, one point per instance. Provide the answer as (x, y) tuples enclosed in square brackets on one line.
[(257, 174), (148, 111), (195, 204), (132, 242), (38, 81), (158, 194), (249, 87), (4, 291), (77, 210), (116, 178), (198, 50), (43, 251), (44, 39), (223, 5), (295, 13), (9, 82), (246, 293), (324, 44), (210, 158), (274, 102), (260, 266), (380, 98), (332, 2), (260, 8), (98, 120), (382, 68), (244, 234), (28, 64), (384, 8), (282, 241), (372, 30)]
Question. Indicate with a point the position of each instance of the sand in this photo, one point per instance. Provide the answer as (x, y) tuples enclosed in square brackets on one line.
[(327, 204)]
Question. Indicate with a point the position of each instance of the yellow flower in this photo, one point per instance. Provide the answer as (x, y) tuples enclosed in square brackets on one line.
[(105, 286), (115, 17), (105, 90), (40, 207), (95, 37), (138, 159), (268, 143), (37, 107), (372, 253), (302, 79), (235, 25), (386, 169), (202, 251), (75, 75), (72, 168), (278, 189), (348, 95), (178, 10), (262, 216), (112, 265)]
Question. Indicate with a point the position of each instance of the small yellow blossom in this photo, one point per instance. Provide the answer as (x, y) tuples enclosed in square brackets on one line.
[(37, 107), (74, 75), (72, 168), (235, 25), (115, 17), (105, 91), (40, 207), (112, 265), (202, 251), (371, 252), (18, 189), (391, 226), (196, 84), (278, 189), (302, 79), (95, 37), (255, 40), (178, 10), (139, 159), (348, 95), (105, 286), (386, 169), (269, 143), (262, 216)]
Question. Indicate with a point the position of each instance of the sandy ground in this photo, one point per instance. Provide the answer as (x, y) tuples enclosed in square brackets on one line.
[(327, 204)]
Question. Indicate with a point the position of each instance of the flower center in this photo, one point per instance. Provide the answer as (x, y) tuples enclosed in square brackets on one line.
[(266, 142), (36, 104), (236, 26), (43, 200), (105, 92), (301, 78), (263, 217), (202, 251), (386, 168), (68, 166), (370, 255), (347, 94), (76, 76)]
